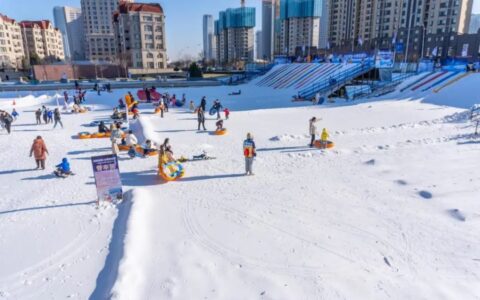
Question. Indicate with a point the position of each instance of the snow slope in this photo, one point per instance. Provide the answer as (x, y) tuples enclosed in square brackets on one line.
[(390, 212)]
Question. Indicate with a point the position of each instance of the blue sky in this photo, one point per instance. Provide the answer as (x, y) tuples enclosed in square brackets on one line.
[(184, 17)]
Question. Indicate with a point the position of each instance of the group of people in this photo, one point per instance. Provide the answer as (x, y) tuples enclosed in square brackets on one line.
[(48, 116), (217, 106), (313, 133)]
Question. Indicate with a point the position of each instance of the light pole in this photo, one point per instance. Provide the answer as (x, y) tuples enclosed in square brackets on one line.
[(424, 36)]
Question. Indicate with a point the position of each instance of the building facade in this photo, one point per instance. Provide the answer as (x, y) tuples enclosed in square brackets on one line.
[(11, 43), (270, 28), (69, 21), (140, 36), (259, 52), (234, 31), (98, 28), (378, 24), (41, 38), (300, 25), (209, 45)]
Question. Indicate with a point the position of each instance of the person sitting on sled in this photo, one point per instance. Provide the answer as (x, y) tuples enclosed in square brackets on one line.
[(219, 125), (148, 148), (63, 169), (102, 128)]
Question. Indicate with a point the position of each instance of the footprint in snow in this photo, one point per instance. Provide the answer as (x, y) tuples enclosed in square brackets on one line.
[(401, 182), (457, 214), (371, 162), (425, 194)]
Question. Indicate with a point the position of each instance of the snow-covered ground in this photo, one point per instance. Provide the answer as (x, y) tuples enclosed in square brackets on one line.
[(390, 212)]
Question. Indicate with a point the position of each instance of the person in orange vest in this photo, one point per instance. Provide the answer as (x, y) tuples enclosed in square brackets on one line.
[(249, 151)]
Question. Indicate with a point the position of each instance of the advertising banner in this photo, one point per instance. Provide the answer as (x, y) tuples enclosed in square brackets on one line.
[(107, 178), (384, 60)]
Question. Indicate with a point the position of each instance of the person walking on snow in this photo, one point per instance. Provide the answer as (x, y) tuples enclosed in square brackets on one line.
[(203, 103), (312, 130), (227, 113), (249, 151), (38, 116), (57, 117), (14, 114), (115, 138), (7, 120), (201, 118), (39, 151), (217, 106), (50, 116)]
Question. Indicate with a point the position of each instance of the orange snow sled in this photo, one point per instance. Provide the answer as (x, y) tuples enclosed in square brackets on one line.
[(220, 132), (323, 145)]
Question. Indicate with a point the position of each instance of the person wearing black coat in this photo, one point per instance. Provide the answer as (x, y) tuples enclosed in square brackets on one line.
[(201, 118)]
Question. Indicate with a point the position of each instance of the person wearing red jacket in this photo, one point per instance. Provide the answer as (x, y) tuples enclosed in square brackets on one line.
[(39, 151)]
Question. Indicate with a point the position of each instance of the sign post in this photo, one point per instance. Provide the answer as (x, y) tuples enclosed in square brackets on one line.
[(107, 178)]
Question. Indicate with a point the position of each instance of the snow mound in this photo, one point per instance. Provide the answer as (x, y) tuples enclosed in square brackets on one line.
[(287, 138)]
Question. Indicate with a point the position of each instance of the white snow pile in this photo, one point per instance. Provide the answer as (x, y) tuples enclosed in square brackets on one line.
[(390, 212)]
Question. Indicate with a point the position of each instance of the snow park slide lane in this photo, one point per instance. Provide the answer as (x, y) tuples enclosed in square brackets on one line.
[(271, 74), (432, 78), (447, 77), (285, 70), (317, 75), (291, 76), (417, 81), (293, 79)]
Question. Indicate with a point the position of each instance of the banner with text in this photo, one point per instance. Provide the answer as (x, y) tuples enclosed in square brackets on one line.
[(384, 60), (107, 178)]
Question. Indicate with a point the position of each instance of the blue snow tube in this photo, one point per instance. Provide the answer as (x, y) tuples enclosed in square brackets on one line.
[(179, 103), (213, 111)]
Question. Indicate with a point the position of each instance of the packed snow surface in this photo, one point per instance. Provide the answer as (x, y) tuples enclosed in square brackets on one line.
[(391, 212)]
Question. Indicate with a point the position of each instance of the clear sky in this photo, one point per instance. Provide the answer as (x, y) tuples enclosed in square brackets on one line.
[(183, 17)]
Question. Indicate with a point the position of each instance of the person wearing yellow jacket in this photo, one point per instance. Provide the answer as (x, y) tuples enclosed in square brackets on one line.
[(324, 138)]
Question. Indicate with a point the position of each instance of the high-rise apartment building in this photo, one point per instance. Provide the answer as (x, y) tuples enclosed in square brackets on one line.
[(270, 27), (235, 36), (11, 43), (69, 21), (140, 35), (98, 27), (300, 25), (259, 52), (208, 38), (354, 22), (41, 38)]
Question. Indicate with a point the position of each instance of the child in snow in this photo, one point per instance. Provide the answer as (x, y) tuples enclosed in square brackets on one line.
[(324, 137), (50, 116), (148, 148), (219, 125), (15, 114), (63, 169), (227, 113), (192, 106)]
